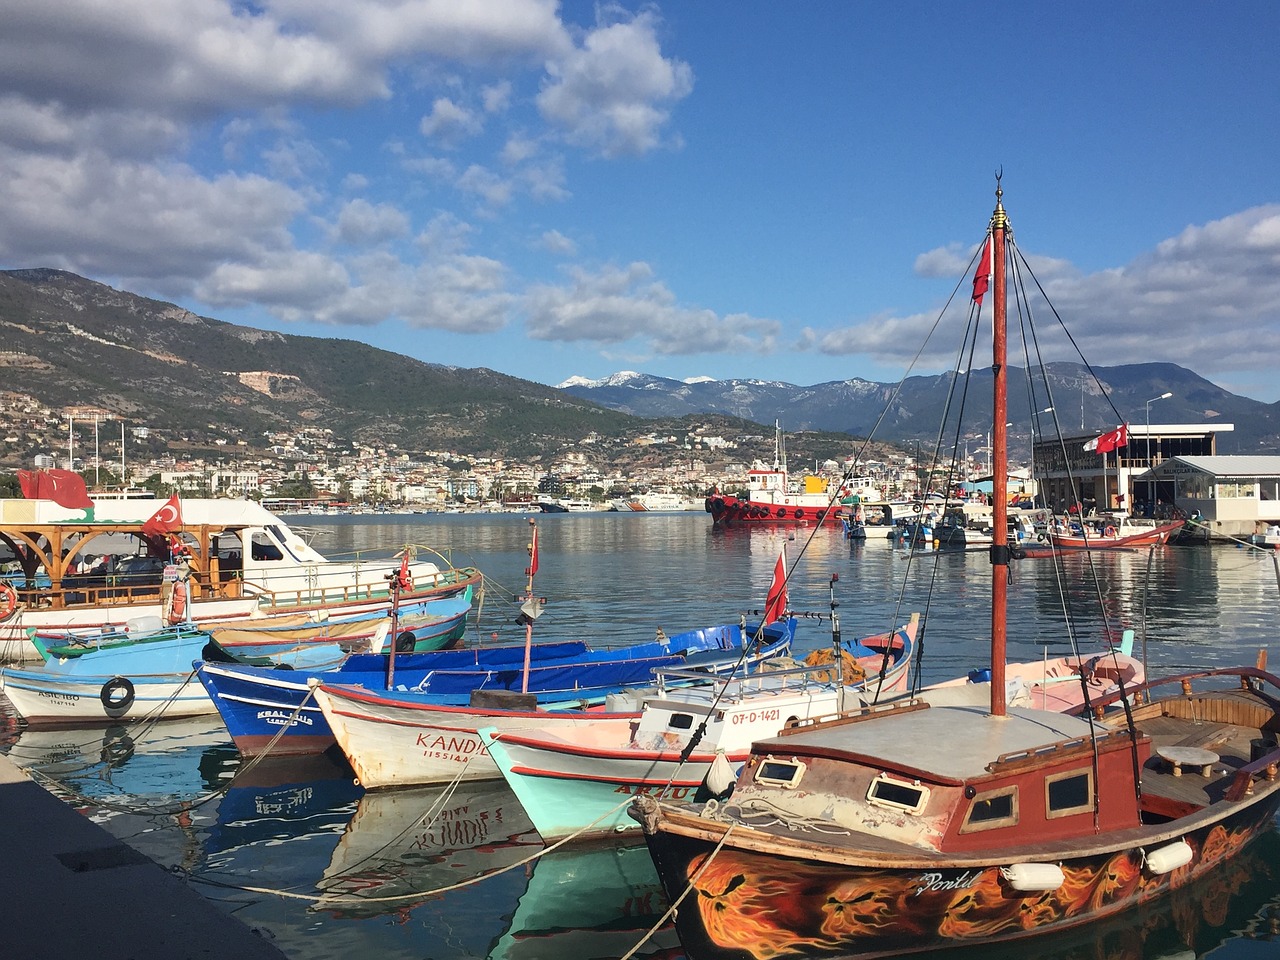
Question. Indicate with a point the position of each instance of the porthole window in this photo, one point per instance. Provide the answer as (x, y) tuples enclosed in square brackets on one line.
[(897, 795), (780, 773)]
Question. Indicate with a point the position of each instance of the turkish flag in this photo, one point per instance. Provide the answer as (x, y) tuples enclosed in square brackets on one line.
[(1119, 437), (775, 603), (165, 520), (982, 276), (63, 487)]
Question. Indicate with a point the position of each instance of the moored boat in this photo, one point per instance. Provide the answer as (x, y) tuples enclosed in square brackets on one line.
[(575, 780), (394, 738), (1110, 532), (203, 560), (147, 678), (1061, 684), (770, 498), (910, 827), (268, 709)]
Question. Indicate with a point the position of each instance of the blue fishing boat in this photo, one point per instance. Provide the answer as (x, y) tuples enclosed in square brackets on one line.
[(265, 706), (402, 737)]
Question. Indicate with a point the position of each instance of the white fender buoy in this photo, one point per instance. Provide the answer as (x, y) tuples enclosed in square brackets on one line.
[(721, 776), (1169, 857), (1025, 877)]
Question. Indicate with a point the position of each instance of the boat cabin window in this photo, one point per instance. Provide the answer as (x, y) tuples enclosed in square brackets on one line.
[(680, 721), (1068, 793), (990, 809), (780, 773), (262, 547), (908, 797)]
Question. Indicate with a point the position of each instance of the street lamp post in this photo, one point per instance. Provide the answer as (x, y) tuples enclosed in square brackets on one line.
[(1151, 459)]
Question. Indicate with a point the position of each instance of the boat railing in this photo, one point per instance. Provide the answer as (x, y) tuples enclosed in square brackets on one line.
[(1247, 678), (1032, 756), (274, 597), (1265, 764), (110, 592), (856, 715), (766, 675)]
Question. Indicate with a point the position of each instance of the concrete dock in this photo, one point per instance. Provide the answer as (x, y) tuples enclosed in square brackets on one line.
[(69, 889)]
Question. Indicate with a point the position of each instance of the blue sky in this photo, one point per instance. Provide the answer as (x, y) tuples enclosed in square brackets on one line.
[(725, 189)]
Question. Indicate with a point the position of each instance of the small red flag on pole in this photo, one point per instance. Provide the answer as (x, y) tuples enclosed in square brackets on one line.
[(775, 604), (982, 276)]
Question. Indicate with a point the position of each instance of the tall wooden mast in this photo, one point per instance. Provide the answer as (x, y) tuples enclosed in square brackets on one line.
[(1000, 230)]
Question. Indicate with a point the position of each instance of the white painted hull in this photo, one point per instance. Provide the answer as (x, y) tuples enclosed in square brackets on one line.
[(577, 782), (391, 744), (51, 701)]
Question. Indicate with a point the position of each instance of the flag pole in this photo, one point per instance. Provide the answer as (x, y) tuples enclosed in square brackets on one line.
[(396, 581), (529, 614)]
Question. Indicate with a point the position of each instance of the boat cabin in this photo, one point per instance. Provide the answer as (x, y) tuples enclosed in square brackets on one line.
[(102, 554), (946, 796)]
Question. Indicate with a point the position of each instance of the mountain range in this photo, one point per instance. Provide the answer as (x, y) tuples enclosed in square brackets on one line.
[(1083, 400), (69, 341)]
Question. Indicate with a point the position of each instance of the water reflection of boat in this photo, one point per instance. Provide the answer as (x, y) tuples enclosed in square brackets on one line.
[(279, 799), (119, 761), (402, 847), (592, 901)]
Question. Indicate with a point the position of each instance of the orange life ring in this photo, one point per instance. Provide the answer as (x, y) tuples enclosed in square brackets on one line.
[(8, 601), (178, 602), (1109, 531)]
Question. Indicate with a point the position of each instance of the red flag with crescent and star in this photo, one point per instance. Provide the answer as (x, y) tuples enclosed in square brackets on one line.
[(982, 276), (775, 603), (165, 520), (63, 487), (1117, 438)]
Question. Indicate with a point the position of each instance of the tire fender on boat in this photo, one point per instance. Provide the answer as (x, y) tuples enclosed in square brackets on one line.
[(117, 695)]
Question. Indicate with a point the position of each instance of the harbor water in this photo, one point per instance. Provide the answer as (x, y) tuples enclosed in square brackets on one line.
[(324, 869)]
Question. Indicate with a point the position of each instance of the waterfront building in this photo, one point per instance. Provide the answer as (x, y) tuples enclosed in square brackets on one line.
[(1228, 496), (1123, 479)]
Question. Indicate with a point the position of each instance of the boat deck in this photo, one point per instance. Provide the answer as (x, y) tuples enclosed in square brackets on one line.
[(1225, 723)]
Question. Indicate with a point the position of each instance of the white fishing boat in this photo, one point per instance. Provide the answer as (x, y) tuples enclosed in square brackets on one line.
[(202, 560), (575, 780)]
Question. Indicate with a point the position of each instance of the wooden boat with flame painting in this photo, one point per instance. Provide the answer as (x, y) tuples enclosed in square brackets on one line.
[(909, 827)]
